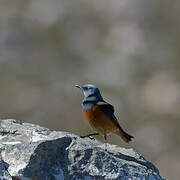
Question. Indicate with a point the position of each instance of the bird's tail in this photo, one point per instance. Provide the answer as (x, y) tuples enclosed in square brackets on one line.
[(125, 136)]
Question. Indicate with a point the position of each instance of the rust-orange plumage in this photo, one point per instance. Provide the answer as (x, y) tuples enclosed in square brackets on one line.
[(100, 114)]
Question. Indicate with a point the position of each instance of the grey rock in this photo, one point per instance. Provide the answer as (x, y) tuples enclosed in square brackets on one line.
[(37, 153), (4, 174)]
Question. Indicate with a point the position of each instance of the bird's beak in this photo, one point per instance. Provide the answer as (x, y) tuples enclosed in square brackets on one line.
[(78, 86)]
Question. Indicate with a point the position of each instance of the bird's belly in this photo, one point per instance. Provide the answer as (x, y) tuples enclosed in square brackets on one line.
[(99, 121)]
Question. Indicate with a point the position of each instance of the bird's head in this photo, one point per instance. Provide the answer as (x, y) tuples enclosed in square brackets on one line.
[(90, 92)]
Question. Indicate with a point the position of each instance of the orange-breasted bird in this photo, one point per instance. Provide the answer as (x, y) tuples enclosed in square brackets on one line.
[(100, 114)]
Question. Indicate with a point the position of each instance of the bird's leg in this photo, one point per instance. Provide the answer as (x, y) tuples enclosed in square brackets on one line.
[(105, 142), (89, 135)]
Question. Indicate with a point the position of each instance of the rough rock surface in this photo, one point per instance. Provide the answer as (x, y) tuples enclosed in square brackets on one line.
[(29, 151), (4, 174)]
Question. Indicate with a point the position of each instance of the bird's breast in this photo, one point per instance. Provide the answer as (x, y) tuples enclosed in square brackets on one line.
[(92, 113), (99, 121)]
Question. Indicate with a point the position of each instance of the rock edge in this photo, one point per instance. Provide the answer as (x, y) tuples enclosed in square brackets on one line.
[(32, 152)]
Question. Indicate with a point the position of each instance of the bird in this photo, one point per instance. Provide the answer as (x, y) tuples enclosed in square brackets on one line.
[(100, 114)]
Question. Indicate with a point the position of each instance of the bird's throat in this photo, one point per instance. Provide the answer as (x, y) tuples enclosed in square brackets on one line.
[(89, 102)]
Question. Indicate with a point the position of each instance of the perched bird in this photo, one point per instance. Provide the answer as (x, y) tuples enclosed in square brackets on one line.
[(100, 114)]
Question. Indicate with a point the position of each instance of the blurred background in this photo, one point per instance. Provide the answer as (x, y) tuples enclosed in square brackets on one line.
[(130, 49)]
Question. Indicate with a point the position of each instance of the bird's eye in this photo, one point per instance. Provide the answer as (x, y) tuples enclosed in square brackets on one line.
[(85, 88)]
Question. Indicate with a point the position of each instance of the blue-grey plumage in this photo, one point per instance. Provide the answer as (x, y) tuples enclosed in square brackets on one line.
[(99, 113), (92, 95)]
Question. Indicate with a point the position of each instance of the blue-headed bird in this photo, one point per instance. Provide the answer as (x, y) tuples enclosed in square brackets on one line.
[(100, 114)]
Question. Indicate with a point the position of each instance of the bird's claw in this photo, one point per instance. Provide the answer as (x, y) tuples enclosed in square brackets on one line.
[(90, 137)]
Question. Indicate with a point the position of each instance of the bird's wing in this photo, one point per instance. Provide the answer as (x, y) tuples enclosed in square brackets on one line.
[(108, 109), (106, 106)]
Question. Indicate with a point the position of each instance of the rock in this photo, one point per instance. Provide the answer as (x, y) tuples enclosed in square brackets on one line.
[(4, 174), (37, 153)]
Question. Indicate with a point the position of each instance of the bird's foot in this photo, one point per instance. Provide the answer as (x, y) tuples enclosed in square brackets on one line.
[(90, 136)]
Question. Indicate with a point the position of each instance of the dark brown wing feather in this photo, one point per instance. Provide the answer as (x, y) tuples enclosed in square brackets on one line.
[(108, 109)]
